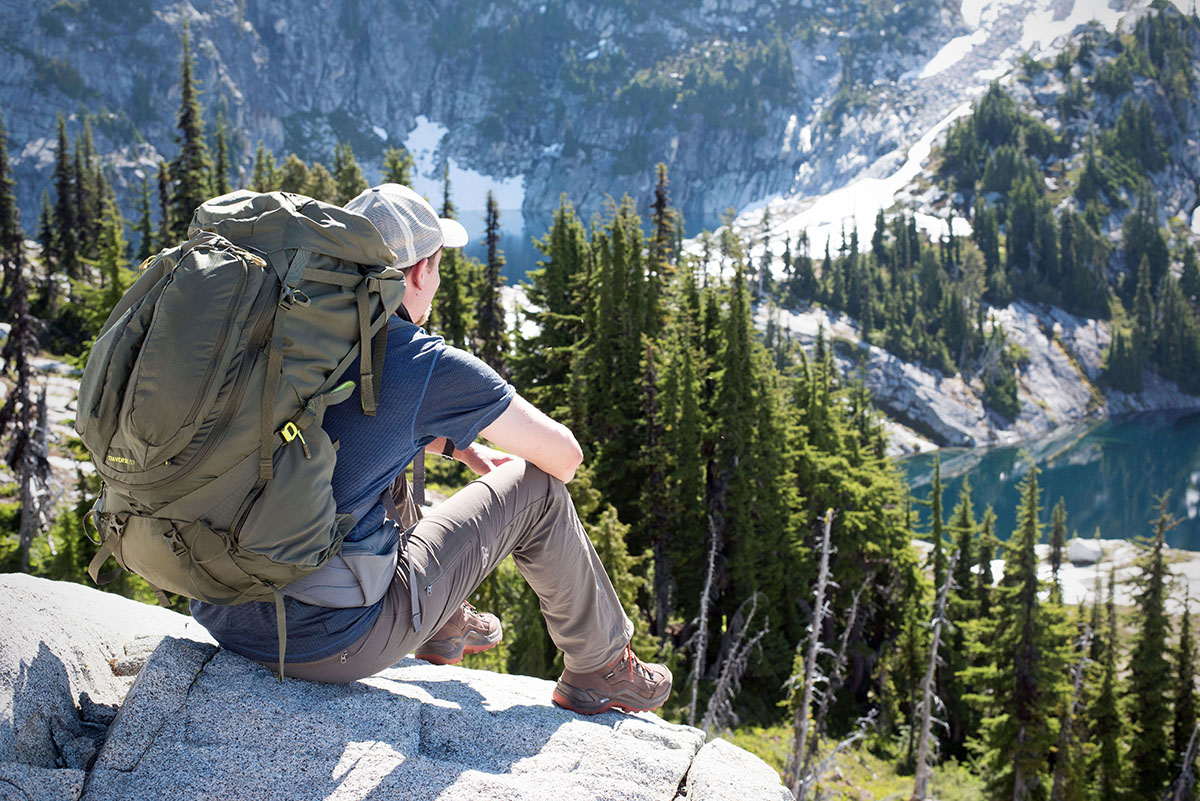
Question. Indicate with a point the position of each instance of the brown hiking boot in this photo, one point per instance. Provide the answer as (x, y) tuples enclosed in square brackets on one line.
[(467, 632), (626, 683)]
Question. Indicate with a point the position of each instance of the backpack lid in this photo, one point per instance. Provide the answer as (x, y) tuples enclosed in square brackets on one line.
[(272, 221)]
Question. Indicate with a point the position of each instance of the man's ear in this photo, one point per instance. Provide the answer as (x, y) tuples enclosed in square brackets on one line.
[(417, 275)]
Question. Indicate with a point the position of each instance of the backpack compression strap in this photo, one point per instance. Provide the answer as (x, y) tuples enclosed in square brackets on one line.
[(389, 503)]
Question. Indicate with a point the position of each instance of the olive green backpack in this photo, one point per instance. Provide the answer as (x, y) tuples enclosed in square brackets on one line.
[(202, 400)]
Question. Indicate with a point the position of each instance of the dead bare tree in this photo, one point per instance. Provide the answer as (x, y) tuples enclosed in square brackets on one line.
[(701, 652), (810, 781), (794, 776), (1184, 784), (928, 694), (24, 456), (719, 712), (1058, 789), (834, 681)]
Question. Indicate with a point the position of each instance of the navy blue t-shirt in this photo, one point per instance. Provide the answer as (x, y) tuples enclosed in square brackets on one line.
[(429, 390)]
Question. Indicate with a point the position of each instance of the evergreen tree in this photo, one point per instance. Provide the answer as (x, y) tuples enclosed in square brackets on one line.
[(962, 720), (987, 552), (453, 309), (662, 248), (1150, 672), (221, 184), (1024, 678), (683, 441), (48, 239), (347, 173), (263, 177), (191, 170), (937, 556), (1058, 541), (1108, 722), (491, 336), (397, 166), (66, 218), (293, 176), (87, 191), (1189, 279), (165, 238), (1143, 313), (542, 364), (145, 226), (1184, 721), (321, 183)]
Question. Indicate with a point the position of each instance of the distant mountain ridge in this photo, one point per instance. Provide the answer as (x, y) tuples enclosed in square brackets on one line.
[(582, 98)]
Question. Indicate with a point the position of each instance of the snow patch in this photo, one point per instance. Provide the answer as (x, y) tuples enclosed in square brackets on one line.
[(952, 52), (1196, 221), (468, 186), (857, 204), (382, 134), (1041, 27)]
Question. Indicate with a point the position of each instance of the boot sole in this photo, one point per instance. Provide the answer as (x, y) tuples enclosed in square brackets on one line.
[(577, 701), (453, 659)]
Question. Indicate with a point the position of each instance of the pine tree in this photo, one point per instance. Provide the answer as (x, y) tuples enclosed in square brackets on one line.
[(293, 176), (661, 252), (263, 176), (191, 170), (165, 237), (321, 183), (987, 552), (1184, 721), (1058, 541), (347, 173), (87, 191), (1024, 681), (1108, 722), (543, 362), (491, 335), (1189, 279), (397, 166), (145, 226), (961, 718), (937, 522), (1143, 311), (221, 184), (1150, 672), (66, 218), (453, 306)]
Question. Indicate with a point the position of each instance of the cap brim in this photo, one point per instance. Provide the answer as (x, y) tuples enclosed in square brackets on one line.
[(453, 233)]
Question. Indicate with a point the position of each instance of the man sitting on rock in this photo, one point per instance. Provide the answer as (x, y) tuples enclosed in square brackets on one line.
[(438, 397)]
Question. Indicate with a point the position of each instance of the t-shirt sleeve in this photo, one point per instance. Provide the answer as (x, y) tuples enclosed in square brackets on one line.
[(462, 398)]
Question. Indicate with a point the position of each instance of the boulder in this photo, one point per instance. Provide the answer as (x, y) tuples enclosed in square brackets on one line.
[(58, 644), (1084, 552), (201, 722)]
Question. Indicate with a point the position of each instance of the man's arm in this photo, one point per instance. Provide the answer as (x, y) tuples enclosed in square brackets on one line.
[(524, 431)]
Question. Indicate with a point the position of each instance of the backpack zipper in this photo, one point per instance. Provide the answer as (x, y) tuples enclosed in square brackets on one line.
[(262, 326), (221, 342)]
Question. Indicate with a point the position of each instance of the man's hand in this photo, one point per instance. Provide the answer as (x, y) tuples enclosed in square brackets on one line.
[(481, 458)]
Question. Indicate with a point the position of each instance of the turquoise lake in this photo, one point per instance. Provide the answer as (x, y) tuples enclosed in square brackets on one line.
[(1108, 473)]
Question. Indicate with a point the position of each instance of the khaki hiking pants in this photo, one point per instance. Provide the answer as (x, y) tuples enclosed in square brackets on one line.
[(516, 509)]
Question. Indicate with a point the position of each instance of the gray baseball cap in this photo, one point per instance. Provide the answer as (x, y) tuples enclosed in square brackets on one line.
[(408, 224)]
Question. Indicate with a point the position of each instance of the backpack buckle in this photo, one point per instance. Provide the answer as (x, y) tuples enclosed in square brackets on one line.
[(291, 431), (292, 297)]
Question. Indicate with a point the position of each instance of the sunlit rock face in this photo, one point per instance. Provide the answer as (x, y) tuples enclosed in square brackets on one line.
[(107, 698)]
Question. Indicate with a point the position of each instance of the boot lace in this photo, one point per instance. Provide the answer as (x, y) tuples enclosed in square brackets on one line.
[(635, 664)]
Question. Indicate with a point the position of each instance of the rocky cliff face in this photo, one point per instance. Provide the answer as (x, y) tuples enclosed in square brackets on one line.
[(105, 698), (737, 98)]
